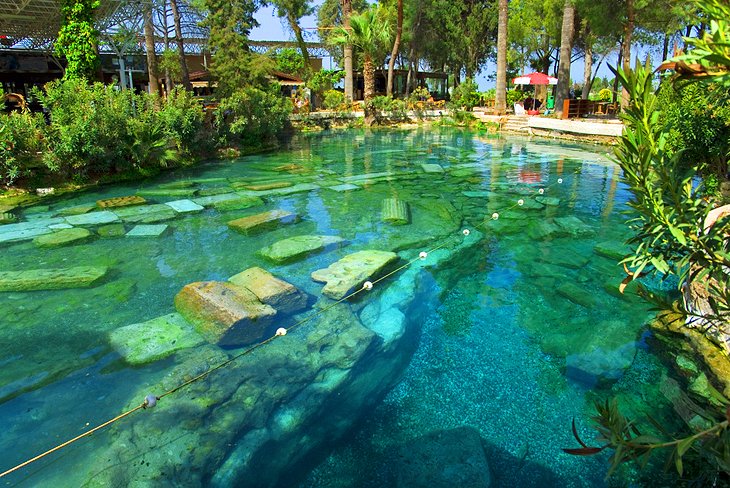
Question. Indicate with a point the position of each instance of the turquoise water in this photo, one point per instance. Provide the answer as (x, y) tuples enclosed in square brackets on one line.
[(513, 330)]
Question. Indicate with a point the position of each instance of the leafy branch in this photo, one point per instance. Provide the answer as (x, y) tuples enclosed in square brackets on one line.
[(630, 444)]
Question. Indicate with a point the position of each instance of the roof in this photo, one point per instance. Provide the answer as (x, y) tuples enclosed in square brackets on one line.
[(35, 23)]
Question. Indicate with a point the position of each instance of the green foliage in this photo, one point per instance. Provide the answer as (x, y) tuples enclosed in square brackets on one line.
[(324, 80), (77, 40), (234, 65), (706, 450), (698, 119), (96, 129), (253, 115), (605, 94), (389, 107), (21, 138), (333, 99), (170, 64), (712, 51), (514, 96), (465, 96), (670, 212), (290, 61)]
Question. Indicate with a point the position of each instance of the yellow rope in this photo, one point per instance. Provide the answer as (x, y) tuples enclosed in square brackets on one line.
[(199, 377)]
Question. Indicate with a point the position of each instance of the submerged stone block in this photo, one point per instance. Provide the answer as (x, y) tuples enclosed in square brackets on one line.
[(298, 247), (344, 187), (63, 237), (601, 364), (51, 279), (238, 203), (93, 218), (269, 186), (350, 272), (577, 295), (111, 230), (548, 201), (154, 339), (210, 200), (432, 168), (262, 221), (612, 250), (574, 226), (167, 192), (147, 231), (283, 296), (76, 210), (121, 202), (146, 214), (224, 313), (185, 206)]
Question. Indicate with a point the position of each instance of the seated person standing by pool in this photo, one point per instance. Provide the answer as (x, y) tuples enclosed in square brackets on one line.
[(529, 103)]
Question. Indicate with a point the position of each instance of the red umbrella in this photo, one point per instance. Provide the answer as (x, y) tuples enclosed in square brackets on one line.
[(535, 79)]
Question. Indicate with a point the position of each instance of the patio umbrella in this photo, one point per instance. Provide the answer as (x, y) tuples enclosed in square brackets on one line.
[(535, 79)]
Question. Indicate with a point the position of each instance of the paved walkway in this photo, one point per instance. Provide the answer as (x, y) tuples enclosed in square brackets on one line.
[(540, 124)]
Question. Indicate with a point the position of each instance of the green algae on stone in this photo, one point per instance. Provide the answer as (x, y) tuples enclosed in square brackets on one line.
[(350, 272), (167, 192), (145, 214), (612, 250), (7, 218), (75, 210), (63, 237), (238, 203), (262, 221), (111, 230), (154, 339), (51, 279), (578, 295), (294, 248), (395, 211)]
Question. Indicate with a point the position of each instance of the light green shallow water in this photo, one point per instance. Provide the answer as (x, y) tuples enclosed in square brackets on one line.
[(515, 338)]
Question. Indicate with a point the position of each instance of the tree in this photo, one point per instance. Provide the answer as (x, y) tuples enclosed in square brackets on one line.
[(500, 98), (332, 14), (566, 47), (396, 47), (234, 65), (149, 42), (77, 40), (180, 45), (369, 32), (293, 11)]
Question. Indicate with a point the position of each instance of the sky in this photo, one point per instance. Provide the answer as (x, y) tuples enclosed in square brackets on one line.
[(273, 29)]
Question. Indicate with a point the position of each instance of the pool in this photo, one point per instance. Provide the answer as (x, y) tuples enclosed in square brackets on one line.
[(507, 327)]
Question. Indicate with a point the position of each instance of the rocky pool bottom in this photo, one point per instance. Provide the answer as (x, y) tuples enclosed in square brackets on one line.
[(465, 367)]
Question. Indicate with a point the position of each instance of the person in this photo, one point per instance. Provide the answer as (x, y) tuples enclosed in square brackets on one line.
[(529, 103)]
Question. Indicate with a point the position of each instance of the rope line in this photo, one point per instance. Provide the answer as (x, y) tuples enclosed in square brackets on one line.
[(151, 400)]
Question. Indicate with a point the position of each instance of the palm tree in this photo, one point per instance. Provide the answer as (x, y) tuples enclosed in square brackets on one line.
[(347, 52), (500, 98), (369, 32), (566, 47)]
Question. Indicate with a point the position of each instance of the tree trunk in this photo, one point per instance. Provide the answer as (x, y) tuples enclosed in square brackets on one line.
[(368, 71), (149, 41), (396, 46), (180, 45), (566, 47), (300, 41), (500, 98), (628, 32), (166, 36), (347, 51), (587, 74), (615, 80)]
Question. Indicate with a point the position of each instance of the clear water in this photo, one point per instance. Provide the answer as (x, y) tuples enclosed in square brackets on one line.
[(498, 347)]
